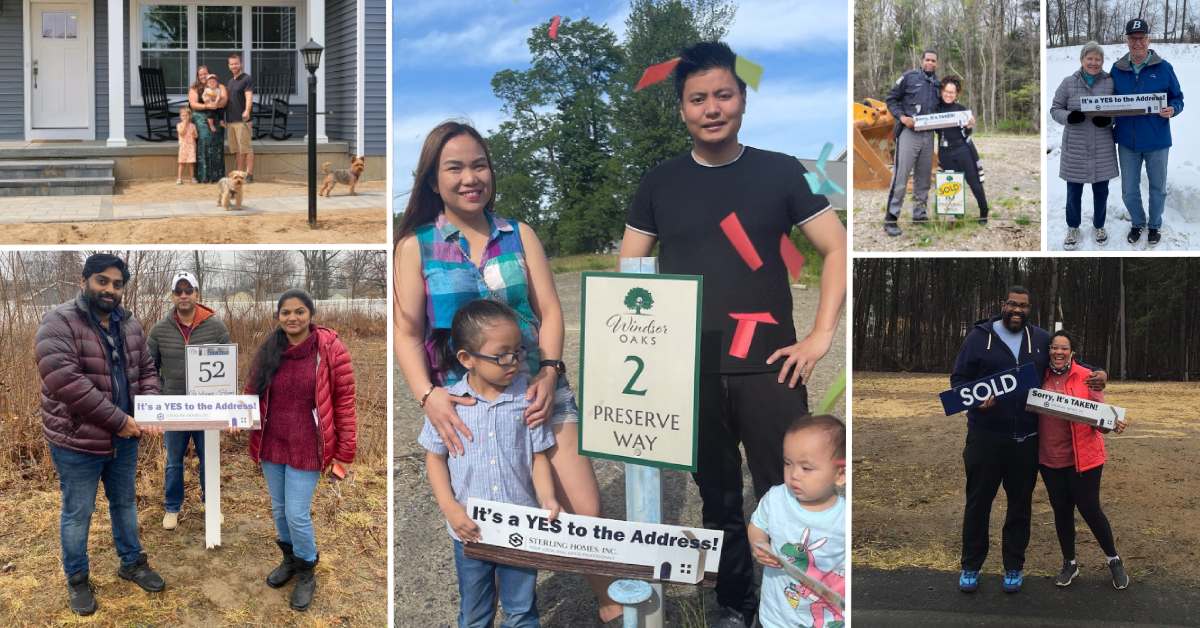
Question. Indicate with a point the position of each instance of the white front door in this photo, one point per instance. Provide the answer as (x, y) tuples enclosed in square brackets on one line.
[(60, 80)]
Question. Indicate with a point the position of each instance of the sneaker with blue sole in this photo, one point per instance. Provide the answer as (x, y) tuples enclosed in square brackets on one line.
[(1013, 579), (968, 581)]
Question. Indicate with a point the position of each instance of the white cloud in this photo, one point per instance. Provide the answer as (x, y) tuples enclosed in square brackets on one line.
[(776, 25), (796, 118), (483, 43)]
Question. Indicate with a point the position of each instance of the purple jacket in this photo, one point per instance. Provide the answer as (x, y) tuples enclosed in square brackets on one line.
[(77, 406)]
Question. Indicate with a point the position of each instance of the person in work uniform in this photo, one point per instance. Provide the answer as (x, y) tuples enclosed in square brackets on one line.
[(915, 93)]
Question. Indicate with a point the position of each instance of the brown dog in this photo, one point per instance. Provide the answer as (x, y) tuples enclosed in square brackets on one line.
[(346, 176), (230, 187)]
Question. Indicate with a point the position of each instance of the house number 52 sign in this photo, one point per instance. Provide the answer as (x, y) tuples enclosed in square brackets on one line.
[(640, 368)]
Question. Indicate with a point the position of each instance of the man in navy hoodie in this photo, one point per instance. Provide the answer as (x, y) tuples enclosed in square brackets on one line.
[(1002, 444), (1145, 138)]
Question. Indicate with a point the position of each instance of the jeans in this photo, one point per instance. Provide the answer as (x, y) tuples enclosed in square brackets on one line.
[(477, 582), (1131, 182), (78, 476), (1075, 203), (291, 506), (177, 443)]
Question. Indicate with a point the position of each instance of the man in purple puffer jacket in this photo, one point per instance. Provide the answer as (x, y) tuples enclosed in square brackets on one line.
[(93, 360)]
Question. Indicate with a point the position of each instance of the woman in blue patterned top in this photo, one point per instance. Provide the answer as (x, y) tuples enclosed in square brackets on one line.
[(451, 249)]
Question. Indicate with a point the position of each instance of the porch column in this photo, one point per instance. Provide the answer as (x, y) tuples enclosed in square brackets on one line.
[(316, 30), (116, 73), (360, 91)]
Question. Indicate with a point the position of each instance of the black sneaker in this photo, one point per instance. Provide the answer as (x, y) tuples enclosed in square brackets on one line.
[(1069, 571), (142, 575), (730, 618), (249, 178), (1153, 237), (80, 594), (1135, 234), (1119, 578)]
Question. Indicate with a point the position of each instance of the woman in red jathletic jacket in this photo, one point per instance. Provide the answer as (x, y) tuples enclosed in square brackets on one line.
[(1072, 457), (305, 383)]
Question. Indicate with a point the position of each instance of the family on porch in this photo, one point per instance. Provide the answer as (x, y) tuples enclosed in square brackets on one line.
[(214, 110)]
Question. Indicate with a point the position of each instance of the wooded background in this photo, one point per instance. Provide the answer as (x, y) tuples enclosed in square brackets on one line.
[(993, 45), (1074, 22), (1134, 316)]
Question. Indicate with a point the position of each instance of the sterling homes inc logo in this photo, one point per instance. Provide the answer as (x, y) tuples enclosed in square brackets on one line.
[(515, 540), (637, 327)]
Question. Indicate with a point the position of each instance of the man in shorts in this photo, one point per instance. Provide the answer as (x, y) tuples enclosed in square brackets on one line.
[(237, 116)]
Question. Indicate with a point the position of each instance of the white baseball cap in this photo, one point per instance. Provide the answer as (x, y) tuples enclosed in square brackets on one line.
[(184, 275)]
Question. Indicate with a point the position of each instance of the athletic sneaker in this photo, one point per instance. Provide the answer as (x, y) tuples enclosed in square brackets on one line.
[(891, 228), (1120, 578), (1013, 579), (1135, 234), (1072, 240), (1101, 235), (968, 581), (1069, 571), (1153, 237)]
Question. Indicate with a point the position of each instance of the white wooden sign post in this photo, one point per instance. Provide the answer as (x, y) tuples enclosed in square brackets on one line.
[(212, 370), (639, 385)]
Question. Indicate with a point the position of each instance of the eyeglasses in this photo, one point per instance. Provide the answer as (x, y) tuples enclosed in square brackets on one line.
[(511, 358), (1017, 305), (180, 291)]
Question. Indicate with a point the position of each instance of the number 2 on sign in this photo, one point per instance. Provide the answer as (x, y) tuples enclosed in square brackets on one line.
[(629, 389), (206, 373)]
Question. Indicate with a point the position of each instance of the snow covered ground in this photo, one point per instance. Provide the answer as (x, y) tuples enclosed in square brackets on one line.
[(1181, 218)]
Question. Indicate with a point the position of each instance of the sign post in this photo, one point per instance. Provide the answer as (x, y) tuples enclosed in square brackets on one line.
[(212, 370), (639, 382), (950, 197)]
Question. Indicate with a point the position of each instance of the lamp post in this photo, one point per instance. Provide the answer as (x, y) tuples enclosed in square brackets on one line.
[(312, 60)]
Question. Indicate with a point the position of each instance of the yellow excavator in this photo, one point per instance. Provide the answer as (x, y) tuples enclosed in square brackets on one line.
[(874, 145)]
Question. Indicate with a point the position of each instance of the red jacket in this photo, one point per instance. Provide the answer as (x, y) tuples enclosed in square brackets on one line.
[(77, 406), (335, 401), (1087, 442)]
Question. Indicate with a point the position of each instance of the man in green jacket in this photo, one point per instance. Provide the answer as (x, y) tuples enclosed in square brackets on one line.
[(188, 323)]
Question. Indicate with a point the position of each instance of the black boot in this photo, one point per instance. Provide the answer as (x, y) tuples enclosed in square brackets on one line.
[(286, 569), (306, 584), (79, 592), (142, 575)]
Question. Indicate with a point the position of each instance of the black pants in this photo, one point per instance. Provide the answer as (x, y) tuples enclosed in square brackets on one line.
[(1069, 490), (963, 159), (753, 410), (993, 459)]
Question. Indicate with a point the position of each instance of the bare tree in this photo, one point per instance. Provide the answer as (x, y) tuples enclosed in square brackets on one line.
[(319, 270), (266, 272)]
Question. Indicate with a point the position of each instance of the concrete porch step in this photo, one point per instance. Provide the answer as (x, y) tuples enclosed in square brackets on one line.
[(55, 168), (56, 186)]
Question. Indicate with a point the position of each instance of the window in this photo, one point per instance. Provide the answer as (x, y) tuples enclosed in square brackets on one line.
[(164, 44), (274, 42), (180, 37), (60, 25)]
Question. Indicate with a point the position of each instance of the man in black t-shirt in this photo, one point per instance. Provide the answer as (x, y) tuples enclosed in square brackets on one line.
[(238, 113), (681, 204)]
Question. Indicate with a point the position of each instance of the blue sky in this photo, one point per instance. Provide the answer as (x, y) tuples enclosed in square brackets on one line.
[(446, 52)]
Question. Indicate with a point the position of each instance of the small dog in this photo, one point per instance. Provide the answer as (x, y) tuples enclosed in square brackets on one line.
[(231, 187), (346, 176)]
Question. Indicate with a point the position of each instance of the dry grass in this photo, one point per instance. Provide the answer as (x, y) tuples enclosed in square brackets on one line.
[(204, 587)]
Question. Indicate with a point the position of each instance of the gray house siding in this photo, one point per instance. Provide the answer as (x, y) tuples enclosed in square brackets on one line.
[(12, 72), (340, 70), (375, 112), (101, 11)]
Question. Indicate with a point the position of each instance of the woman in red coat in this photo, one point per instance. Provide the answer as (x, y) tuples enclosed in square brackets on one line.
[(1071, 456), (305, 383)]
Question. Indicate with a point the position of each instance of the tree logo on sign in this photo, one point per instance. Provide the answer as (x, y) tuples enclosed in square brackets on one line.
[(638, 299)]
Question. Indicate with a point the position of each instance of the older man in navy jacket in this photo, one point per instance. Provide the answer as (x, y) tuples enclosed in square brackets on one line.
[(1002, 444), (1146, 138)]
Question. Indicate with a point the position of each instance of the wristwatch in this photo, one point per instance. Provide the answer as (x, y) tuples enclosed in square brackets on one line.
[(559, 366)]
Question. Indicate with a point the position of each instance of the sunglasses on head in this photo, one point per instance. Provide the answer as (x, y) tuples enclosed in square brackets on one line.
[(188, 290)]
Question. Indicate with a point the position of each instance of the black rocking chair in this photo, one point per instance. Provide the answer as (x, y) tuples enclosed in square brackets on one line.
[(156, 106), (272, 96)]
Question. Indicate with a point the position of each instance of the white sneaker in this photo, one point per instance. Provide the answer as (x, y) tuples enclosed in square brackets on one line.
[(1072, 240), (170, 520), (1101, 236)]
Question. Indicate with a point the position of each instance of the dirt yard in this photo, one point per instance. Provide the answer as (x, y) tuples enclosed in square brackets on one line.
[(908, 484), (223, 586), (428, 595), (1012, 167)]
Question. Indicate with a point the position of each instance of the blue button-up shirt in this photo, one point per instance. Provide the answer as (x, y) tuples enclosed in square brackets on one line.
[(498, 464)]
